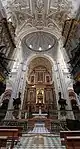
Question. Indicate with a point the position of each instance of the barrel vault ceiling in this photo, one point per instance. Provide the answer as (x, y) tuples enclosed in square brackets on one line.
[(39, 13)]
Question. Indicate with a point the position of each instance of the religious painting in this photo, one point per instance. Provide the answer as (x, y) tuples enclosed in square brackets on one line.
[(40, 76), (48, 96), (32, 79), (40, 95), (47, 79), (31, 95)]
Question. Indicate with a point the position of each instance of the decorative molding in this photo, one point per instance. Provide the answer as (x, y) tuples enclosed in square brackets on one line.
[(38, 13)]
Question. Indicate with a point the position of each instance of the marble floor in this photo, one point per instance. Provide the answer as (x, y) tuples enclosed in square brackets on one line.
[(39, 138), (46, 141)]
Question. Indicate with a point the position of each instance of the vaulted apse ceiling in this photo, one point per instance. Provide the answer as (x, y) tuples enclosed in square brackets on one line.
[(40, 61)]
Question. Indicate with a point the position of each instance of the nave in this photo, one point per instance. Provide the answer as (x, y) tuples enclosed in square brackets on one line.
[(40, 74)]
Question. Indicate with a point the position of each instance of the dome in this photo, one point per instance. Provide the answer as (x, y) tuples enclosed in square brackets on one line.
[(40, 41)]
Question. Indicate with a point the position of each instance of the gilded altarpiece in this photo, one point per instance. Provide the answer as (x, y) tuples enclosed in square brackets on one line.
[(41, 93)]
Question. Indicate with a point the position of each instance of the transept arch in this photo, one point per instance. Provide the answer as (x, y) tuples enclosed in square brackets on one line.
[(40, 88)]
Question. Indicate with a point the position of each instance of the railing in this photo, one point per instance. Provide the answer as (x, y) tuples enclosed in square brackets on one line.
[(56, 124), (24, 114)]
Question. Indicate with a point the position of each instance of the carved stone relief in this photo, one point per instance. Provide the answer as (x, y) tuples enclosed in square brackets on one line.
[(35, 13)]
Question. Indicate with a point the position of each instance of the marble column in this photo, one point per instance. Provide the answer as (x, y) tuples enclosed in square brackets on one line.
[(15, 90), (64, 91)]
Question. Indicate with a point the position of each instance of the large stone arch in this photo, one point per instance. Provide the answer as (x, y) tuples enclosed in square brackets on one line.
[(56, 32), (34, 56)]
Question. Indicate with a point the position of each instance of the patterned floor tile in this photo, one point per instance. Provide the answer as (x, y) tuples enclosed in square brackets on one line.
[(39, 142)]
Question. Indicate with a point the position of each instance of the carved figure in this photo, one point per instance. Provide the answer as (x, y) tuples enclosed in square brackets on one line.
[(62, 102), (17, 101)]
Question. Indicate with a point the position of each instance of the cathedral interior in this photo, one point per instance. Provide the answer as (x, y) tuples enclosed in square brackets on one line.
[(39, 74)]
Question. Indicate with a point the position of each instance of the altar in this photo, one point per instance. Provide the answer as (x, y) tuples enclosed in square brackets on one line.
[(39, 97), (40, 114)]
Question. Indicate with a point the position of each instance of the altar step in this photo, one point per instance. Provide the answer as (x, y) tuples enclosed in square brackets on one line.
[(33, 141), (39, 138), (39, 129)]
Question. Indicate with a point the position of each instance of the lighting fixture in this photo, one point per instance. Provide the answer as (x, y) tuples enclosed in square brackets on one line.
[(30, 46), (40, 49), (49, 46)]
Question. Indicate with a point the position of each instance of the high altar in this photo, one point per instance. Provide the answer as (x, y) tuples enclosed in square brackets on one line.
[(40, 92)]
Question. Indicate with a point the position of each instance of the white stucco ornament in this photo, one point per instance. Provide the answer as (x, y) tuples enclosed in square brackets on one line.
[(40, 3), (9, 84)]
